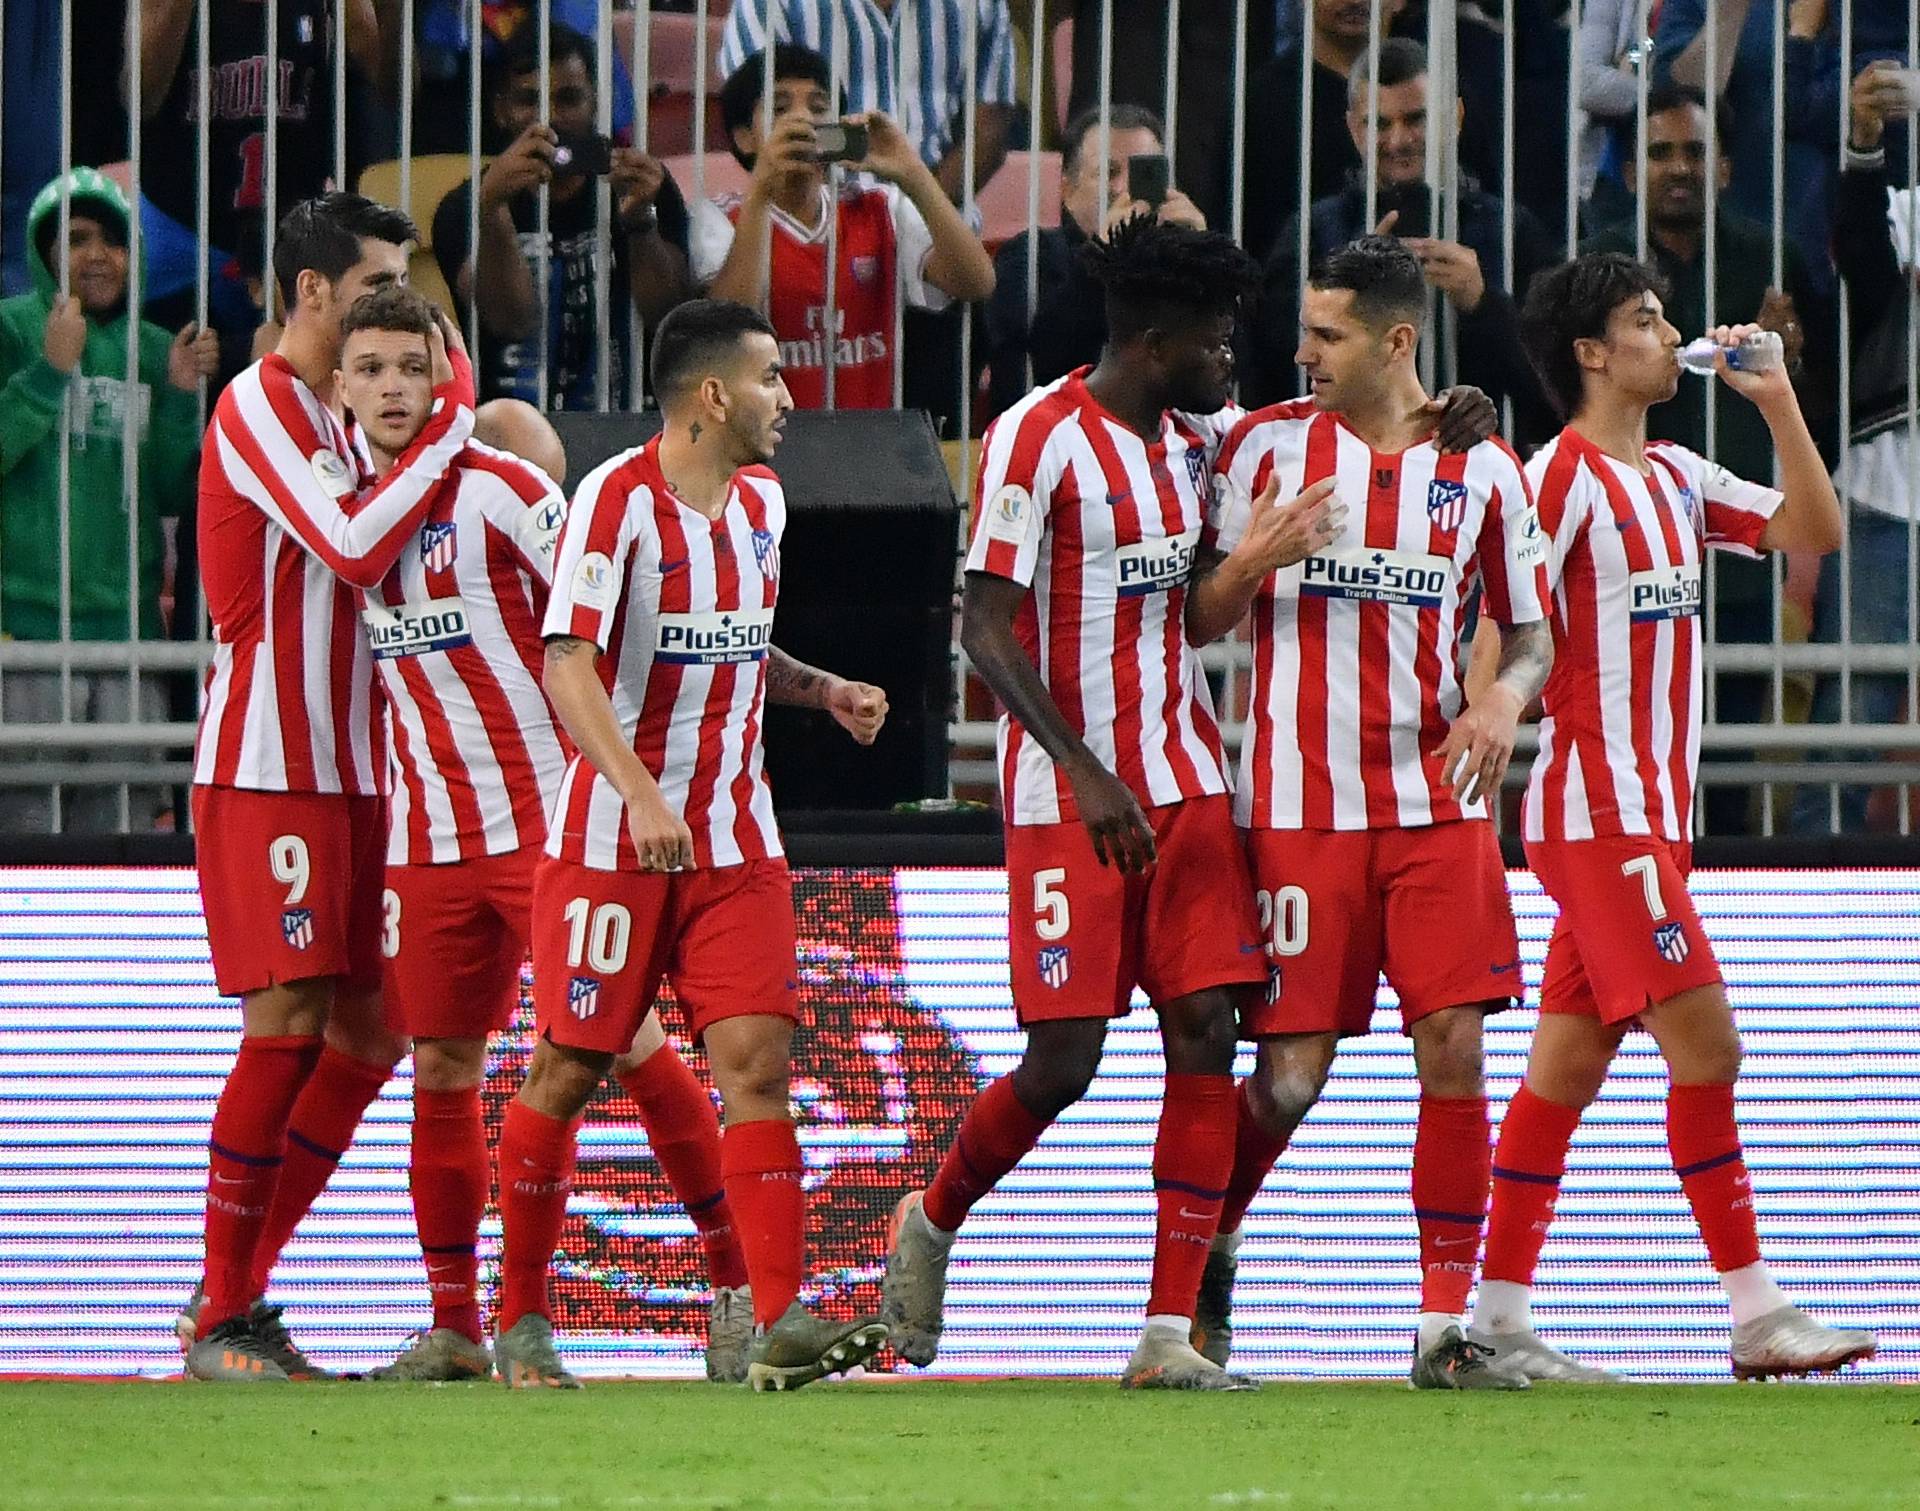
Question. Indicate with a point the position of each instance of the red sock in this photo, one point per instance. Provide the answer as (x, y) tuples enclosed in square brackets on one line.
[(1452, 1168), (994, 1137), (1706, 1156), (680, 1122), (448, 1178), (536, 1174), (1527, 1166), (324, 1118), (244, 1153), (1192, 1158), (1255, 1152), (760, 1162)]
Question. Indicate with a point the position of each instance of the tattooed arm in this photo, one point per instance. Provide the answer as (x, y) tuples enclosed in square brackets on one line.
[(1480, 742), (860, 708)]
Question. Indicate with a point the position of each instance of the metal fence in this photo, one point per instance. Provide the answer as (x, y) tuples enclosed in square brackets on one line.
[(93, 732)]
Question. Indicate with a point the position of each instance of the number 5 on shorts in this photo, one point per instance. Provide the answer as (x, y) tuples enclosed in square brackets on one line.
[(1648, 870), (1052, 916)]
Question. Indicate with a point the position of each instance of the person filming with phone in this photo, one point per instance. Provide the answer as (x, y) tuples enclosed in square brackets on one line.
[(564, 152), (1067, 323), (768, 248), (1467, 273)]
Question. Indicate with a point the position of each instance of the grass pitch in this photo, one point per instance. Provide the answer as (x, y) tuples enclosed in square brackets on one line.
[(362, 1447)]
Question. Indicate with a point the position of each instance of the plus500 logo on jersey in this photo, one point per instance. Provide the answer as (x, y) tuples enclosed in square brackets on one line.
[(413, 629), (1409, 577), (714, 639), (1156, 566), (1664, 593)]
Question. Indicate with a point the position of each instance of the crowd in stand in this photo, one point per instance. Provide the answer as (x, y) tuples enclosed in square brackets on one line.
[(900, 223)]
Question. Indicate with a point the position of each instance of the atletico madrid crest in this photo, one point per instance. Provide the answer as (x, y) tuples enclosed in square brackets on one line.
[(1670, 939), (296, 927), (1055, 966), (436, 547), (1446, 503), (583, 996), (766, 554)]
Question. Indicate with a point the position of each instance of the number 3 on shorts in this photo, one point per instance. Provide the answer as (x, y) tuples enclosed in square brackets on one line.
[(390, 923), (1052, 917), (1648, 870)]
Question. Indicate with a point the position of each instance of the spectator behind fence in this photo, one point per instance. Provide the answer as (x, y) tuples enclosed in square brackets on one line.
[(1678, 183), (1467, 272), (1813, 76), (1067, 324), (1875, 230), (1272, 147), (236, 163), (53, 347), (905, 235), (648, 237)]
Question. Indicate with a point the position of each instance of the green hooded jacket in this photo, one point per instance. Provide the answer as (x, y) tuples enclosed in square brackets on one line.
[(31, 389)]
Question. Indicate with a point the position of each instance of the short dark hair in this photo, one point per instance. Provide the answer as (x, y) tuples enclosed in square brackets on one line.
[(1666, 96), (522, 52), (740, 96), (1155, 272), (1385, 277), (324, 234), (393, 308), (695, 336), (1573, 302), (1402, 60), (1073, 141)]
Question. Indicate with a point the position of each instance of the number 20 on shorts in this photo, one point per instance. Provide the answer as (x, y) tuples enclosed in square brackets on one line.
[(1283, 919)]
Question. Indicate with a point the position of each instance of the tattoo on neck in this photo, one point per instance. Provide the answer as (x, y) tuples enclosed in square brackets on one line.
[(693, 434)]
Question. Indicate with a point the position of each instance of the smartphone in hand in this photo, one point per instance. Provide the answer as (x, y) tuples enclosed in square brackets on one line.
[(840, 142), (583, 157), (1149, 176)]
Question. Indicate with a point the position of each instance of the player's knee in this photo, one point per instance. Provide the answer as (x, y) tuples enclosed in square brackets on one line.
[(1284, 1089), (561, 1081), (291, 1008), (1201, 1033), (449, 1064), (1446, 1052), (1059, 1065), (750, 1059), (648, 1041)]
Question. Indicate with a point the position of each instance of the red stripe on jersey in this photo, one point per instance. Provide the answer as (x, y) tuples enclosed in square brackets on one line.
[(1174, 697), (1381, 530), (1679, 688), (521, 619), (746, 830), (443, 752), (1064, 623), (289, 663), (1310, 709), (664, 678), (233, 718), (610, 507), (419, 822), (1260, 730), (1128, 614), (1576, 583), (344, 642), (719, 701), (1450, 468)]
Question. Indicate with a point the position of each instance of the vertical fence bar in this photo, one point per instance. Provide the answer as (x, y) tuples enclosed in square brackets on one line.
[(65, 470), (1913, 407), (1776, 564), (138, 399), (766, 124), (1170, 99), (1433, 174), (1844, 128), (1508, 281), (406, 105), (475, 23), (1573, 129), (1373, 115), (1036, 83), (830, 309), (640, 72), (542, 215), (1710, 244), (700, 88), (970, 35), (1303, 197), (603, 219), (1237, 159), (1644, 82), (339, 90), (1106, 108), (270, 202), (202, 292)]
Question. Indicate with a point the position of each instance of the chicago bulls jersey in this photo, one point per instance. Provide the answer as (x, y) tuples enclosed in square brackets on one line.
[(882, 246), (1356, 649), (1620, 731), (455, 632), (681, 607), (288, 705), (1101, 525)]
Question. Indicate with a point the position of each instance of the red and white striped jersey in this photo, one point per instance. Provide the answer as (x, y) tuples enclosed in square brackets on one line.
[(1356, 649), (288, 704), (681, 607), (455, 631), (1620, 730), (1102, 526)]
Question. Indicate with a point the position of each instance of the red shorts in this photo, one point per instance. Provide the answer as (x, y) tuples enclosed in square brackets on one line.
[(455, 938), (1427, 906), (290, 884), (603, 940), (1082, 935), (1627, 934)]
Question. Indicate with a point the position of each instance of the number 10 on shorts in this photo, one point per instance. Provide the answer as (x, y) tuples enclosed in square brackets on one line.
[(598, 937)]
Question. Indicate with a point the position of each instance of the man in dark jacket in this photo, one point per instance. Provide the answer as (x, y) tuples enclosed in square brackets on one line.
[(1467, 274)]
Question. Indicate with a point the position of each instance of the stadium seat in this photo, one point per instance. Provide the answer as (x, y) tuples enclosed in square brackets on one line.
[(1003, 202), (434, 178), (724, 175), (670, 65)]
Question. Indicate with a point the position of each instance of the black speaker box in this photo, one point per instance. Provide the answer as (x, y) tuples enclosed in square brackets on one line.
[(866, 591)]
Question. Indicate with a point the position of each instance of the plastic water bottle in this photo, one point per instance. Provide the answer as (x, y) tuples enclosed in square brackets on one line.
[(1760, 352)]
